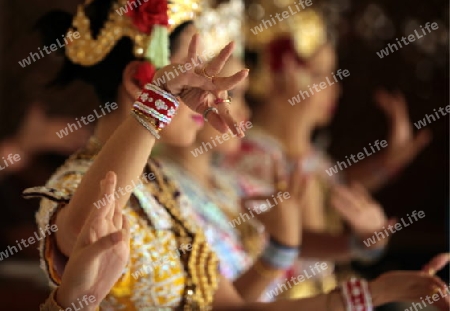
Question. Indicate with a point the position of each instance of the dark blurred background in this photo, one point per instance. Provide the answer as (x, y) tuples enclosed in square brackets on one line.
[(421, 72), (362, 28)]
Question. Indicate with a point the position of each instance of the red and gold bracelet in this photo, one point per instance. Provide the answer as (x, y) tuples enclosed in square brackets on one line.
[(356, 295), (156, 104)]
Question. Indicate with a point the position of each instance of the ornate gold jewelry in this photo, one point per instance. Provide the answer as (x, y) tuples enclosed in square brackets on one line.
[(201, 263), (221, 100), (87, 51), (208, 110), (205, 74), (146, 123)]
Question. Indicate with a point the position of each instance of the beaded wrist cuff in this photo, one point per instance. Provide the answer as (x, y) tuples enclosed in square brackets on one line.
[(356, 295), (280, 256), (156, 104), (364, 253)]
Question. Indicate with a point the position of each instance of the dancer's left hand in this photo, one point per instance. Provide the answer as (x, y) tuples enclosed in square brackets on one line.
[(403, 146)]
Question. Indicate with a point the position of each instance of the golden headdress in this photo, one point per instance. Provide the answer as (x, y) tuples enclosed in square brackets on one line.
[(306, 26), (146, 23), (269, 20), (220, 24)]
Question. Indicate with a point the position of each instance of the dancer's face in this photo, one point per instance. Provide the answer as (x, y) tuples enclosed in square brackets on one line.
[(186, 123), (321, 106), (238, 110)]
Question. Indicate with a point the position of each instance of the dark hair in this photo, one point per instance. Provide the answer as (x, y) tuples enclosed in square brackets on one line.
[(106, 75)]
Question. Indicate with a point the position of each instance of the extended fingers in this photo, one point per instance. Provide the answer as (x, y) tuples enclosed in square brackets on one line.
[(422, 139), (215, 66), (227, 83), (117, 217), (192, 50), (345, 211), (102, 207), (110, 187), (361, 193), (347, 197), (437, 263)]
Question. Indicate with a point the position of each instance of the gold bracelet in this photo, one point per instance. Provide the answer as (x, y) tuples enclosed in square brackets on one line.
[(264, 272), (147, 118)]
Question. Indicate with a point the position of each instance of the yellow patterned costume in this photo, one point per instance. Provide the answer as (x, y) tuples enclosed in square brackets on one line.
[(143, 283)]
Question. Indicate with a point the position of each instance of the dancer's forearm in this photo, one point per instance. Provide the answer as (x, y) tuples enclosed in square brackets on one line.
[(126, 153)]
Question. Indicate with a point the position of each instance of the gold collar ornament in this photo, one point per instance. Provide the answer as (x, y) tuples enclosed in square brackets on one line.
[(130, 18)]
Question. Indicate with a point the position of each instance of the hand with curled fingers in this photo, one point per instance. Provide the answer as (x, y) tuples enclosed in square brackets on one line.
[(282, 220), (364, 215), (404, 146), (101, 251), (410, 286), (199, 87)]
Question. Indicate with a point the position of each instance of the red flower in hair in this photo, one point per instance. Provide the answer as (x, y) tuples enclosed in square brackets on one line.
[(148, 14), (279, 47), (144, 74)]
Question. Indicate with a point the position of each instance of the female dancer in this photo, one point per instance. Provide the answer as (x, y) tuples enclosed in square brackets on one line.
[(158, 224), (216, 196), (284, 128), (217, 203)]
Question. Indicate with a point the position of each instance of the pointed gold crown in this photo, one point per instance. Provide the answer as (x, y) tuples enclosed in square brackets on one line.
[(87, 51), (306, 26), (220, 24)]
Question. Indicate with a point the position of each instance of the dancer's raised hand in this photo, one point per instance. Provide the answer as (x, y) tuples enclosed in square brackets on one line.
[(199, 88)]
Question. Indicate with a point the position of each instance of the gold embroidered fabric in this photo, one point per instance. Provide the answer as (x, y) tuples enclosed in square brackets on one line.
[(157, 275)]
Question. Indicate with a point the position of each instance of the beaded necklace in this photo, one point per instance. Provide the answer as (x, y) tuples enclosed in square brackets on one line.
[(201, 284), (201, 263)]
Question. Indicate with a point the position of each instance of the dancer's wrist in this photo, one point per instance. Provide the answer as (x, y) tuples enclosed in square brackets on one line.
[(278, 255)]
